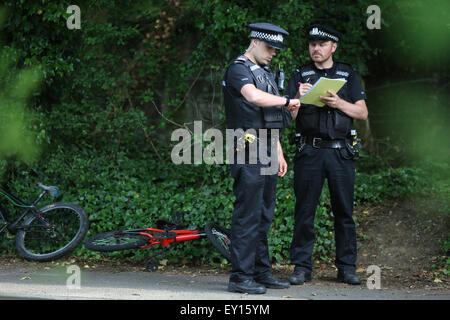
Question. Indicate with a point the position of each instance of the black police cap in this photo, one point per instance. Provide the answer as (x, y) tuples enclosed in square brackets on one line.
[(269, 33), (320, 32)]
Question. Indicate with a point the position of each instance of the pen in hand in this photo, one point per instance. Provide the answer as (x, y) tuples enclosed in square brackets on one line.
[(307, 81), (304, 87)]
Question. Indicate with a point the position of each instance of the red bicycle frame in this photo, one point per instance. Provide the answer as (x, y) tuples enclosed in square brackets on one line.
[(180, 236)]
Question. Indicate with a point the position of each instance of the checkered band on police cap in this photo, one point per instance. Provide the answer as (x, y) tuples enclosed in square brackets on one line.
[(323, 33), (266, 36), (269, 33)]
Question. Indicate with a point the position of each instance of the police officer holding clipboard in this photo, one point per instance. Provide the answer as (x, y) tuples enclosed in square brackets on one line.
[(325, 150), (252, 102)]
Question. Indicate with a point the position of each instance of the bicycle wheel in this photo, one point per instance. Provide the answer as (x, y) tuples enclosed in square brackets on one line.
[(220, 239), (116, 241), (53, 232)]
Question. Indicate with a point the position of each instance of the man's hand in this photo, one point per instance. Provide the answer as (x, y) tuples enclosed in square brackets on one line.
[(304, 88), (294, 104), (357, 110), (282, 167), (282, 164), (332, 101)]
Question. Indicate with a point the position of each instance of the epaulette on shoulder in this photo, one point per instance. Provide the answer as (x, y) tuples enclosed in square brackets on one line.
[(240, 59), (303, 66), (345, 64)]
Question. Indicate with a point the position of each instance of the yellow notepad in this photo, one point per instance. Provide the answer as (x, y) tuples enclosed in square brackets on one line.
[(320, 88)]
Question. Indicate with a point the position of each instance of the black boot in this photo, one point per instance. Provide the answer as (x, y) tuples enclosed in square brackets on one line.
[(299, 277), (272, 282), (348, 277), (246, 286)]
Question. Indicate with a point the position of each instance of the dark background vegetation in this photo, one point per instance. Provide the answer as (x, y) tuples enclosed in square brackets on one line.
[(111, 94)]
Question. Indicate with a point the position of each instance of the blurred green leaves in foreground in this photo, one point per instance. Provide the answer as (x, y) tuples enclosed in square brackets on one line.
[(17, 141)]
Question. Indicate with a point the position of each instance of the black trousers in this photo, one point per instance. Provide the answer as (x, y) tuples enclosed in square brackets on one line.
[(253, 213), (311, 167)]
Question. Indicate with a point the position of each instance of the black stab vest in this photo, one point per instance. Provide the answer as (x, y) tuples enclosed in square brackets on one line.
[(324, 122), (243, 114)]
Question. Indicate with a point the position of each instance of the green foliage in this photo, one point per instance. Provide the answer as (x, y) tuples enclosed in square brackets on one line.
[(133, 190), (98, 115), (389, 183), (106, 82), (442, 264), (17, 85)]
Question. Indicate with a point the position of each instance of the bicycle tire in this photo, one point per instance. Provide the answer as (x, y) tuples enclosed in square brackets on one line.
[(69, 226), (220, 238), (116, 241)]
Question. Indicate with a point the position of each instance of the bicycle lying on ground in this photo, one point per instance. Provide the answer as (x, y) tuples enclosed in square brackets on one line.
[(165, 234), (47, 233)]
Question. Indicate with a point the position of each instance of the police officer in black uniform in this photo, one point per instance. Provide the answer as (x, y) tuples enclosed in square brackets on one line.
[(252, 102), (325, 150)]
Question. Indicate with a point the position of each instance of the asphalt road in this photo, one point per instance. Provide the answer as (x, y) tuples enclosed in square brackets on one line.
[(73, 283)]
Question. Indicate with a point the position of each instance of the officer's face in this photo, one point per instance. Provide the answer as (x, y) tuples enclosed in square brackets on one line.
[(264, 53), (321, 51)]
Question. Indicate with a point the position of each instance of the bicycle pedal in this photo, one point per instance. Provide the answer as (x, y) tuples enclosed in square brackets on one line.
[(177, 218), (152, 265), (11, 229)]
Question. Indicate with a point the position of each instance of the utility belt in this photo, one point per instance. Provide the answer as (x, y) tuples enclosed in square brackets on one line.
[(352, 145), (322, 143)]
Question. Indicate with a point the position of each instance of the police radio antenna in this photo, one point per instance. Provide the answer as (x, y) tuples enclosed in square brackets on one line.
[(280, 78)]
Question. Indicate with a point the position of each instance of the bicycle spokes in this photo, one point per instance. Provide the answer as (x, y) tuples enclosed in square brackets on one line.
[(221, 237), (48, 232), (116, 239)]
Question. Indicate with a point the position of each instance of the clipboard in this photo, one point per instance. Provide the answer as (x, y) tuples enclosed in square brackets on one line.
[(320, 88)]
